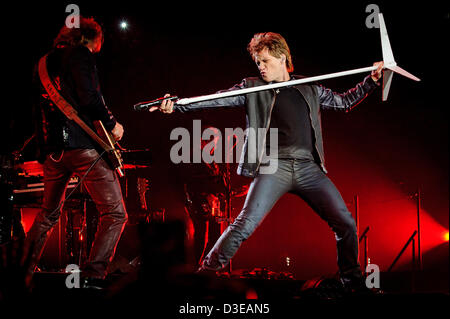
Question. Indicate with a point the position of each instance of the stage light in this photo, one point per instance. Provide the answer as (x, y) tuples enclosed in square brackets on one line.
[(123, 25), (446, 236)]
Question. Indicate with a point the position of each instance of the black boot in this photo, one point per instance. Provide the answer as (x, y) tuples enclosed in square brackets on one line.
[(357, 286)]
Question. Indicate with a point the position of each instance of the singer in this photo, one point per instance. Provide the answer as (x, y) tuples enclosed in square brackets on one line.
[(295, 112)]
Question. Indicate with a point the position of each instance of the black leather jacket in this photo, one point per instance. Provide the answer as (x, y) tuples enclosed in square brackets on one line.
[(74, 73), (259, 106)]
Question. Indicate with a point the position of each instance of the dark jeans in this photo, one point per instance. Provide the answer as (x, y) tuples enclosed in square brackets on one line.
[(102, 185), (305, 179)]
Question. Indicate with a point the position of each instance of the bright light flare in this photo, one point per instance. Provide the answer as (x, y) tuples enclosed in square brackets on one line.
[(446, 236), (123, 25)]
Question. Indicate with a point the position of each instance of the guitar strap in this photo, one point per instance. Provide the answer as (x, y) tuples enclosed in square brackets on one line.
[(65, 106)]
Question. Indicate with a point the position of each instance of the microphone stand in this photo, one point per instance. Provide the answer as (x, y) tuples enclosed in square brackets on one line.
[(228, 194), (227, 180)]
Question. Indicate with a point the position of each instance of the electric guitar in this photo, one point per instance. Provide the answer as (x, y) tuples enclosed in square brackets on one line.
[(102, 137), (142, 187), (109, 145)]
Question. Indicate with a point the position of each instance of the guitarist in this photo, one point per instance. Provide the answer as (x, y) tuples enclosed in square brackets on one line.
[(66, 149)]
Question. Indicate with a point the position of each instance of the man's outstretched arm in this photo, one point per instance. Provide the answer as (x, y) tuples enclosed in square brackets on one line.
[(168, 106), (348, 100)]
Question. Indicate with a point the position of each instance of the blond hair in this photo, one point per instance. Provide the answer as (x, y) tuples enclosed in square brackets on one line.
[(276, 45)]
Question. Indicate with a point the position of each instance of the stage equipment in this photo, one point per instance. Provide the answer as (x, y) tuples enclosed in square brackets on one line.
[(75, 232), (366, 257), (412, 241), (390, 66), (322, 288)]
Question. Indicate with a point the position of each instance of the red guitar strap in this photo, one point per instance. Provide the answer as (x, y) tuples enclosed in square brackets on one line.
[(63, 105)]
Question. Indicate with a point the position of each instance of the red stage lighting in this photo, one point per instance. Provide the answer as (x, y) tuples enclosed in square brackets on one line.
[(446, 236)]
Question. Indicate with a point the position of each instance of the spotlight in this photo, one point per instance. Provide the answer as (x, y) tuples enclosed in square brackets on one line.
[(123, 25), (446, 236)]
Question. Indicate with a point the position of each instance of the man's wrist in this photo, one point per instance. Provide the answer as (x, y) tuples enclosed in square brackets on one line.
[(375, 80)]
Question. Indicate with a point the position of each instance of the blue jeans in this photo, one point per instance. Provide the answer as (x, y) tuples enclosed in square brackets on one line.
[(307, 180)]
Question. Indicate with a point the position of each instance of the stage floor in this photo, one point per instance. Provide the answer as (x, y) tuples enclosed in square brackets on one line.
[(190, 295)]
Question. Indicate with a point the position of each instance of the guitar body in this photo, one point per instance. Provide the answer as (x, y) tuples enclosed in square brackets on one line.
[(114, 155), (142, 187)]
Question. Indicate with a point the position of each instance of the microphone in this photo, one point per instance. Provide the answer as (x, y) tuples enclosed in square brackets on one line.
[(143, 106)]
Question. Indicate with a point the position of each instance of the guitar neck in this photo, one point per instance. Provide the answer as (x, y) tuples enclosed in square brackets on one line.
[(104, 135)]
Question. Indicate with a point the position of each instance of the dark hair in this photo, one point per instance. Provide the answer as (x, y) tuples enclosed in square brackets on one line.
[(276, 45), (89, 29)]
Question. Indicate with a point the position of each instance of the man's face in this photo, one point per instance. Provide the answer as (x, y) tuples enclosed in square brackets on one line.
[(270, 67)]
